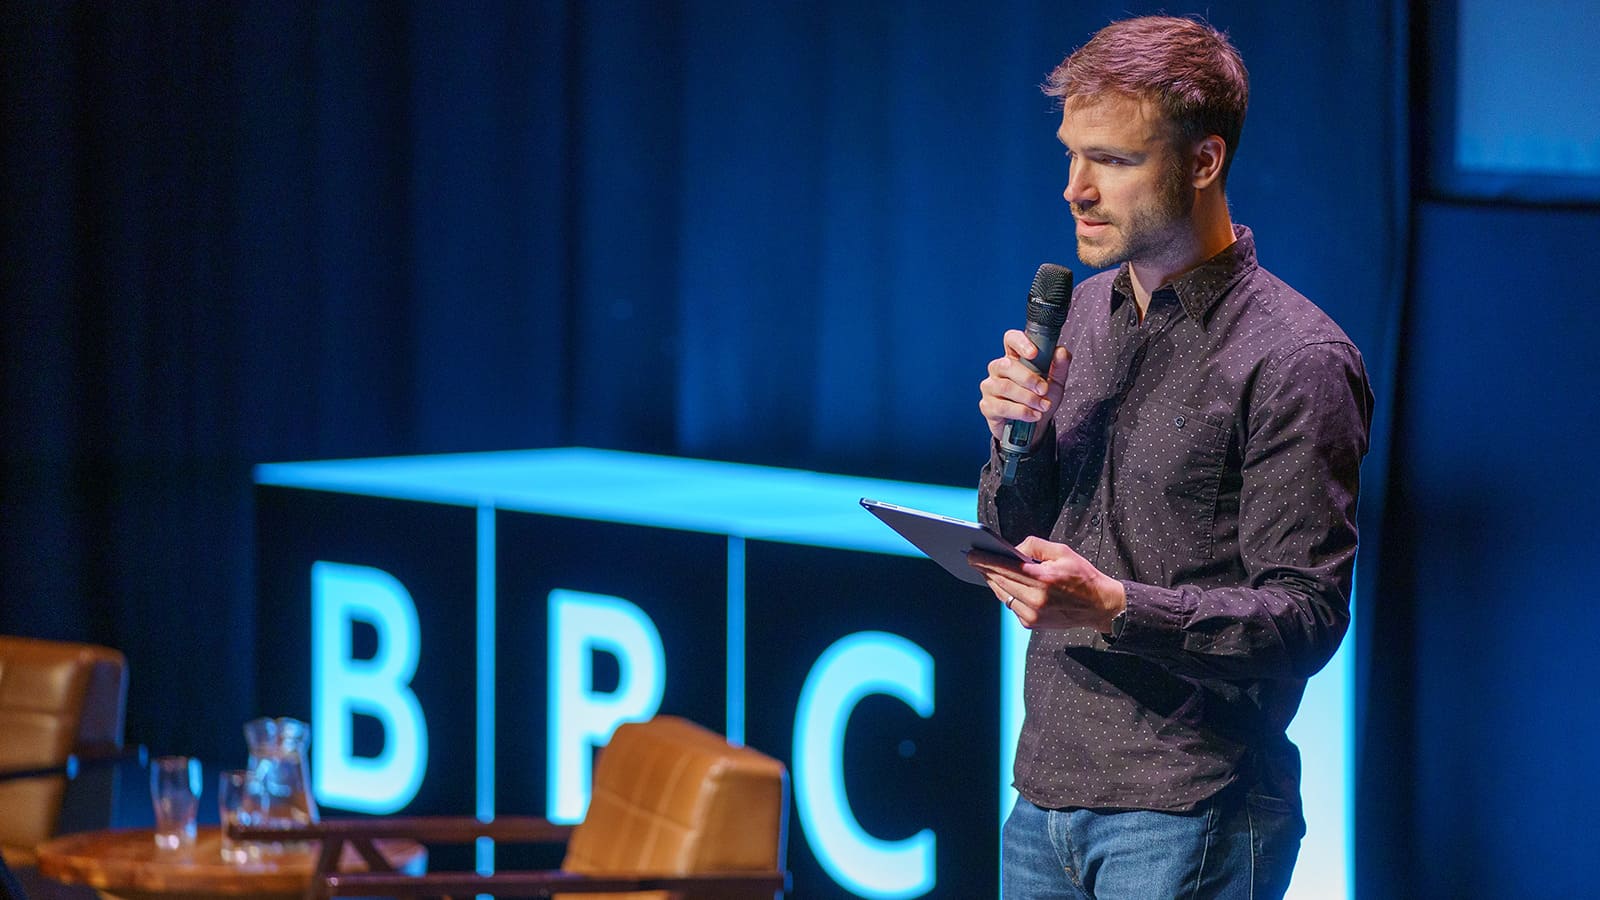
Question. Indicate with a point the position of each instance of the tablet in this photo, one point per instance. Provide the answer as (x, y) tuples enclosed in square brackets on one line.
[(945, 540)]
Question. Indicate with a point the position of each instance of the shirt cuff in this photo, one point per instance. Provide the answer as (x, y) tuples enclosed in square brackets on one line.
[(1030, 465), (1154, 621)]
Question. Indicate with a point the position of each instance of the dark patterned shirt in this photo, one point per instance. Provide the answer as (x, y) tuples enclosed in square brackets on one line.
[(1207, 457)]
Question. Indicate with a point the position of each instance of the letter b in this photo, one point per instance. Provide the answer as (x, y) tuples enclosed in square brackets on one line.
[(380, 687)]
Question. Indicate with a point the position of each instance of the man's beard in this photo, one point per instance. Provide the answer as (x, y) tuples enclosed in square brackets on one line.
[(1148, 230)]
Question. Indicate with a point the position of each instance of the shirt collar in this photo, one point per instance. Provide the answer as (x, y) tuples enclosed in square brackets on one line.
[(1199, 289)]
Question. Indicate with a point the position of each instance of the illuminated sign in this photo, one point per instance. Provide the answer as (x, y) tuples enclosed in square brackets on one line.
[(464, 631)]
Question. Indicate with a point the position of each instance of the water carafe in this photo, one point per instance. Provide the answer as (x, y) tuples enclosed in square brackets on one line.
[(278, 764)]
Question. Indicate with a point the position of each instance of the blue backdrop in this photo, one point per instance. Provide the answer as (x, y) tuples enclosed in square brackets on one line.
[(786, 233)]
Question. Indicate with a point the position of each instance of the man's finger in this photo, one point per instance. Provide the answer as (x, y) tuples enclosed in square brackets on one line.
[(992, 565), (1018, 344), (1059, 365), (1041, 549)]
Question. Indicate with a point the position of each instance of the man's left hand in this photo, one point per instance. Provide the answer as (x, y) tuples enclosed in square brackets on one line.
[(1061, 590)]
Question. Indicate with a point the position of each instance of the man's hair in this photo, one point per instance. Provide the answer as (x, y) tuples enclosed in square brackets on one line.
[(1186, 68)]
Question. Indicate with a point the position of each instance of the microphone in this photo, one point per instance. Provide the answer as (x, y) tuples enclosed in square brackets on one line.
[(1047, 309)]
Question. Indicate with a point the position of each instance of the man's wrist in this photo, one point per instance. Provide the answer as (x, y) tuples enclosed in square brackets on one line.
[(1116, 606), (1118, 622)]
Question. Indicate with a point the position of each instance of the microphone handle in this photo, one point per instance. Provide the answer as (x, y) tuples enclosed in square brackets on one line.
[(1018, 434)]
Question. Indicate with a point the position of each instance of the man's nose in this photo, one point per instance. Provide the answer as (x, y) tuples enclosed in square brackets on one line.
[(1079, 192)]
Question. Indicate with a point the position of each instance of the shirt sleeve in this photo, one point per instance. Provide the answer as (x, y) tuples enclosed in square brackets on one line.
[(1029, 506), (1306, 434)]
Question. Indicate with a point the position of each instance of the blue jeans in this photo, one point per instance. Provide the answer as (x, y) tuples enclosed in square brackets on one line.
[(1231, 848)]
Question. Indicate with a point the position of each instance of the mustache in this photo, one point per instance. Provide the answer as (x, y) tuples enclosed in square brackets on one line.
[(1089, 212)]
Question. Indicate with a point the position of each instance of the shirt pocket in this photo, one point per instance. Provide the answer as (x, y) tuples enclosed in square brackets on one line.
[(1169, 474)]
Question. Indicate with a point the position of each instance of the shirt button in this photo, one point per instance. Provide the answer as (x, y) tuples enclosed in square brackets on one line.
[(1094, 519), (1180, 421)]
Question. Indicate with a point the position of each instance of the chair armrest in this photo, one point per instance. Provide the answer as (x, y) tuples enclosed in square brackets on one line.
[(79, 762), (538, 884)]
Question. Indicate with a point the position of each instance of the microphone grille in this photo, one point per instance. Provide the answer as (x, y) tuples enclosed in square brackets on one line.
[(1053, 285)]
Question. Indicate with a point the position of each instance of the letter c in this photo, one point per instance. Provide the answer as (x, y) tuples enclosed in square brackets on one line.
[(867, 662)]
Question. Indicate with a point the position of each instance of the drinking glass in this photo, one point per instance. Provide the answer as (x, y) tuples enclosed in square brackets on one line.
[(239, 802), (175, 793)]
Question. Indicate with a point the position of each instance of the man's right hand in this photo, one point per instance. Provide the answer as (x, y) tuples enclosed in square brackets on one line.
[(1014, 391)]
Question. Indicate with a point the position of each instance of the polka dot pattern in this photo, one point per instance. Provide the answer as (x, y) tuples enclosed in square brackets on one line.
[(1208, 457)]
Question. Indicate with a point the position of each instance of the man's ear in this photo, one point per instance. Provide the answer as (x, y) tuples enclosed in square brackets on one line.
[(1205, 162)]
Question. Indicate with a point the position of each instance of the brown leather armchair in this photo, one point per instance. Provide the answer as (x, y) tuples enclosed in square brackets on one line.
[(60, 703), (677, 813)]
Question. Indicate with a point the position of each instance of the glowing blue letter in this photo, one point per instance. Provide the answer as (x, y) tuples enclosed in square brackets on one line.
[(579, 718), (868, 662), (342, 686)]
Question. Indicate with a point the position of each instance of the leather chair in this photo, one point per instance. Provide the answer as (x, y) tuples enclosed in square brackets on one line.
[(61, 704), (677, 813)]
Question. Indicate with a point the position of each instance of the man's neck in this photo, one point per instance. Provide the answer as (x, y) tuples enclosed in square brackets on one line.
[(1210, 234)]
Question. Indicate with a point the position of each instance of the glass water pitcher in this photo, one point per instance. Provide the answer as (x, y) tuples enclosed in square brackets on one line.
[(279, 764)]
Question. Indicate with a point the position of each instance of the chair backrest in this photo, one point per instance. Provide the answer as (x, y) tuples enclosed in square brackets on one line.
[(56, 699), (671, 797)]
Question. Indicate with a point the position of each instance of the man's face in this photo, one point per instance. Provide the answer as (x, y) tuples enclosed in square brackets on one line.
[(1127, 184)]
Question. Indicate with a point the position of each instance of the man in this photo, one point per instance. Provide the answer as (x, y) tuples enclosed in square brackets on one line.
[(1190, 499)]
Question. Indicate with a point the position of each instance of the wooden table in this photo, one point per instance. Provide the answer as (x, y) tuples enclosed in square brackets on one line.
[(124, 864)]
